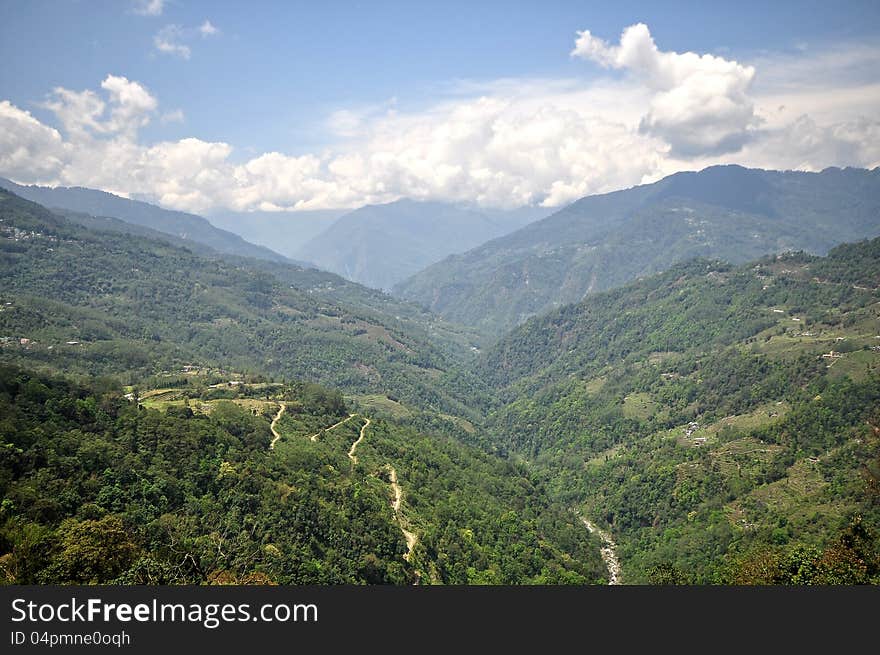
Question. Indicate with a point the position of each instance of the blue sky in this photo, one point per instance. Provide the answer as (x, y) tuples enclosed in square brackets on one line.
[(338, 79)]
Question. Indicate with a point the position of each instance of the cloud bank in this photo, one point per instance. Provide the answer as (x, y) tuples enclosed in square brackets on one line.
[(505, 143), (700, 104)]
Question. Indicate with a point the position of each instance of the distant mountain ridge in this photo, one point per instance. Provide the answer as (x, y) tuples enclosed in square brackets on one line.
[(185, 226), (603, 241), (283, 232), (380, 245)]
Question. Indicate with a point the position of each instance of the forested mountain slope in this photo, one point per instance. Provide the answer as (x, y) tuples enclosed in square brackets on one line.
[(599, 242), (101, 488), (109, 224), (319, 284), (133, 305), (458, 340), (721, 421), (183, 225)]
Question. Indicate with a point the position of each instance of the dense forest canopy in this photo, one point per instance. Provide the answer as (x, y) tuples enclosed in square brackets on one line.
[(98, 488), (709, 412)]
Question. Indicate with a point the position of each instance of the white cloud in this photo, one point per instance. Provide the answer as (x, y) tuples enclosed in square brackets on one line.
[(804, 144), (78, 112), (84, 114), (207, 29), (352, 121), (149, 7), (28, 148), (500, 151), (131, 104), (700, 103), (498, 143), (168, 40)]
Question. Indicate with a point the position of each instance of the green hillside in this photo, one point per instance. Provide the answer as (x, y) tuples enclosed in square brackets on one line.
[(191, 487), (459, 341), (719, 422), (712, 416), (98, 302), (181, 225)]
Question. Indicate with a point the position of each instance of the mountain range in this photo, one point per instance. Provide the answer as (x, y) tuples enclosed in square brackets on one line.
[(714, 422), (208, 423), (380, 245), (283, 232), (133, 303), (603, 241), (184, 226)]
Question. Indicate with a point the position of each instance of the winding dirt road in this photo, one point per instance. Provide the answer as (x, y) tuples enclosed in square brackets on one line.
[(275, 434), (411, 537), (351, 455), (609, 552), (314, 437)]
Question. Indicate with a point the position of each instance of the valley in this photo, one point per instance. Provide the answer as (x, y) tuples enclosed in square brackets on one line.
[(381, 245), (702, 411), (177, 414)]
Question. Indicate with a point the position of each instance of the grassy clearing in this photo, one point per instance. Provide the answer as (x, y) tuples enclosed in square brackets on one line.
[(781, 345), (463, 423), (207, 406), (163, 404), (155, 394), (743, 457), (799, 496), (380, 404), (750, 447), (659, 356), (707, 435), (760, 417), (855, 364), (640, 406), (605, 456)]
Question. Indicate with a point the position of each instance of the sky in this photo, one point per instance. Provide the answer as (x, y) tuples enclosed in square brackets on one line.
[(284, 106)]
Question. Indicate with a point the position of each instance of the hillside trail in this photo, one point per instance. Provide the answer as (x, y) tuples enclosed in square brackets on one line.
[(609, 552), (410, 537), (275, 434), (314, 437), (351, 455)]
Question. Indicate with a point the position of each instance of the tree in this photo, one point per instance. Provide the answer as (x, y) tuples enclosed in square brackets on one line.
[(92, 552)]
